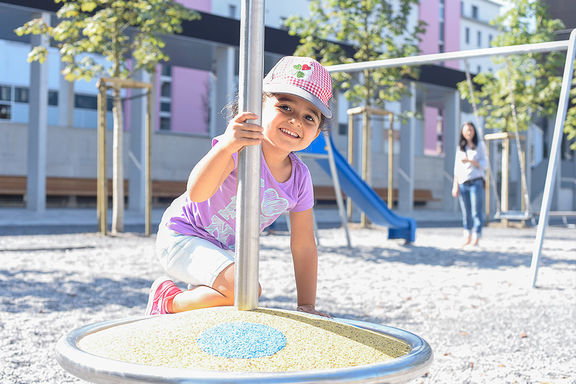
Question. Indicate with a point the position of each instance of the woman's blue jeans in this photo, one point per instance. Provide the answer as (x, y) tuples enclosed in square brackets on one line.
[(471, 199)]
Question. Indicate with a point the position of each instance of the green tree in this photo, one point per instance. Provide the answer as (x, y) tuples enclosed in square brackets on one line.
[(375, 29), (128, 33), (524, 86)]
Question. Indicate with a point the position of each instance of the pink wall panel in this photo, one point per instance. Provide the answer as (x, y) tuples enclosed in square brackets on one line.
[(452, 38), (189, 98), (430, 124), (199, 5), (429, 11)]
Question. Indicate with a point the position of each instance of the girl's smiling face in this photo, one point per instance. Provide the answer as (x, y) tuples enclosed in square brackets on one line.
[(290, 122)]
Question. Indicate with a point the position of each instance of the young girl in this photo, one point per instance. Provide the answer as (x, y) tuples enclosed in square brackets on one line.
[(468, 186), (195, 242)]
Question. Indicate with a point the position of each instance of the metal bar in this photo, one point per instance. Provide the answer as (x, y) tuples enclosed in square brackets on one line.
[(438, 57), (248, 201), (337, 188), (563, 103), (390, 196)]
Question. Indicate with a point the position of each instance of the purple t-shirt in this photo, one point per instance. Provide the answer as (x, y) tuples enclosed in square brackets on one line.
[(215, 218)]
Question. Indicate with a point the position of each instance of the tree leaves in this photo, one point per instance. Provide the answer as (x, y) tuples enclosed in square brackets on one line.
[(531, 81), (120, 31), (375, 29)]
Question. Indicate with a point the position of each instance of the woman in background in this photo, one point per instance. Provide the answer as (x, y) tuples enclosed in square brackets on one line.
[(469, 166)]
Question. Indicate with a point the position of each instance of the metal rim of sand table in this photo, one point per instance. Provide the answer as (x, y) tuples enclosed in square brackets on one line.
[(97, 369)]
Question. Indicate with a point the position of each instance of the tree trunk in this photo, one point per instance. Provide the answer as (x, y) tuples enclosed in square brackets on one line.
[(117, 167)]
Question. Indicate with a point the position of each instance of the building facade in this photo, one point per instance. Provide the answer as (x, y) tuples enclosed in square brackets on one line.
[(201, 78)]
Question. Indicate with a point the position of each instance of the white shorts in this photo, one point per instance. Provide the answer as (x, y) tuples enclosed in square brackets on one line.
[(191, 259)]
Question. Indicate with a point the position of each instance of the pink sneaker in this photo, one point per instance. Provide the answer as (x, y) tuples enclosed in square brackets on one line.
[(161, 291)]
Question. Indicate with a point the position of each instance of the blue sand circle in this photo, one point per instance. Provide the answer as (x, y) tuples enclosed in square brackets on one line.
[(242, 340)]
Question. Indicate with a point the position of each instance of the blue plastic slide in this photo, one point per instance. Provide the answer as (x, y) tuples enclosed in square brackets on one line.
[(364, 197)]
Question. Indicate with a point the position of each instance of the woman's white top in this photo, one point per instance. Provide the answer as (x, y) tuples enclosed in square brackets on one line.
[(466, 171)]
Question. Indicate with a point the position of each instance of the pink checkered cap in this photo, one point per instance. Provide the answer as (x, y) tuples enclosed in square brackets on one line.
[(303, 77)]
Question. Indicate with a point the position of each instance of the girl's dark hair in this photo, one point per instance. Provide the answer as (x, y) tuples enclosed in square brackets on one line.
[(231, 110), (462, 142)]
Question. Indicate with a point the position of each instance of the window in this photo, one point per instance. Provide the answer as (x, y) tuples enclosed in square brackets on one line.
[(441, 31), (467, 35), (166, 70), (21, 95), (164, 123), (461, 8), (5, 112), (85, 102), (490, 38), (53, 98), (5, 93), (91, 102), (232, 11), (479, 39), (165, 107), (475, 12), (479, 69), (166, 89)]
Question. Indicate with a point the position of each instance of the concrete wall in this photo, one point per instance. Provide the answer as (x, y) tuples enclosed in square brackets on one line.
[(72, 152)]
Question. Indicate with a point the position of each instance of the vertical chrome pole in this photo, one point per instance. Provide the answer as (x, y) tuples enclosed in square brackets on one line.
[(336, 181), (248, 200), (554, 156)]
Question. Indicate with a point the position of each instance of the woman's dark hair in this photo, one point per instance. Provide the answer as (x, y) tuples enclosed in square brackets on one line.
[(462, 142), (231, 110)]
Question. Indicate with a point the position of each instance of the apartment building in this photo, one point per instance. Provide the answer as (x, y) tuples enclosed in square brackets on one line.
[(201, 79)]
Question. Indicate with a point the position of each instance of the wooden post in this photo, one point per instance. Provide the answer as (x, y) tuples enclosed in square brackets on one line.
[(148, 166), (488, 181), (505, 177), (102, 189), (391, 163), (349, 207), (365, 158)]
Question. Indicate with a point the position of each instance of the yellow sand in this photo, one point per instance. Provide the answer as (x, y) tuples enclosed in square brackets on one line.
[(312, 343)]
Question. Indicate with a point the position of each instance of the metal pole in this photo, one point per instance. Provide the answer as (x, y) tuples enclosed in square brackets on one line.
[(438, 57), (337, 188), (391, 163), (554, 156), (102, 189), (248, 201)]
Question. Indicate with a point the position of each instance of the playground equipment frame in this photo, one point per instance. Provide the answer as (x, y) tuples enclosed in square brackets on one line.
[(367, 113), (102, 191), (565, 45)]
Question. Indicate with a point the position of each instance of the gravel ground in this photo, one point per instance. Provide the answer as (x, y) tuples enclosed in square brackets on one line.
[(472, 305)]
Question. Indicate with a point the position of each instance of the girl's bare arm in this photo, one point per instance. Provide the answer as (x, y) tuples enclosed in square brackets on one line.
[(211, 171), (305, 257)]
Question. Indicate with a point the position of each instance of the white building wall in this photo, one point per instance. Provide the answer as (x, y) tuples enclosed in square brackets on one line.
[(477, 32)]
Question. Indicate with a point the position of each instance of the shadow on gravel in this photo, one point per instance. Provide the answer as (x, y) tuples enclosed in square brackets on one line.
[(414, 255), (49, 249), (57, 291)]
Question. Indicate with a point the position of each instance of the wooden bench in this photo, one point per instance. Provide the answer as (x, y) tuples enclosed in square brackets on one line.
[(161, 189), (327, 193), (56, 186)]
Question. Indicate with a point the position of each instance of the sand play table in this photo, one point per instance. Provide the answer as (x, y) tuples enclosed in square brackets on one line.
[(223, 345)]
